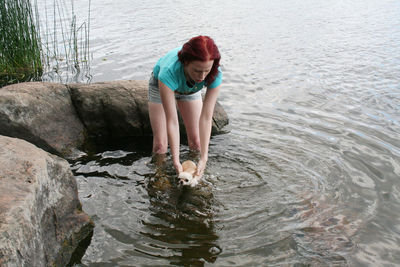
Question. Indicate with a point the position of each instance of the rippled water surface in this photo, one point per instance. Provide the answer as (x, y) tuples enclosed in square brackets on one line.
[(309, 172)]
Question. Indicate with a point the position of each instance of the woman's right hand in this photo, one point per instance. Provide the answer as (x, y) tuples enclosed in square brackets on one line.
[(178, 167)]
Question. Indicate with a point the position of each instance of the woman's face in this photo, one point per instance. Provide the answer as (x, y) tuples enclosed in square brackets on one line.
[(198, 70)]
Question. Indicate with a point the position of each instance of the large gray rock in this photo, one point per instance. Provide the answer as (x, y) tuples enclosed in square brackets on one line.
[(113, 109), (119, 109), (57, 118), (41, 113), (41, 221), (220, 120)]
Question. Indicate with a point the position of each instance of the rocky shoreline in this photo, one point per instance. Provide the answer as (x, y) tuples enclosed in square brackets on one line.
[(41, 125)]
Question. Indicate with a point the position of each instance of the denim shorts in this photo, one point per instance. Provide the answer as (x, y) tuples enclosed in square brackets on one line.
[(154, 93)]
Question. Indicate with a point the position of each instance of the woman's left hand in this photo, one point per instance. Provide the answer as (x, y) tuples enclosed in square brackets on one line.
[(201, 165)]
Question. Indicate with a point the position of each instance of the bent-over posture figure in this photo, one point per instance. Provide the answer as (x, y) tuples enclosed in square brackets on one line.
[(176, 81)]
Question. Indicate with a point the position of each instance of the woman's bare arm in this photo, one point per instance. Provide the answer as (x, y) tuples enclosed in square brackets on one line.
[(168, 101)]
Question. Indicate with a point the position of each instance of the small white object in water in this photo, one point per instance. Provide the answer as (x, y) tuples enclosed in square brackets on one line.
[(186, 177)]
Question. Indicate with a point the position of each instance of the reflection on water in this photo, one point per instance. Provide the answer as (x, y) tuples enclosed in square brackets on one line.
[(177, 225), (308, 175), (65, 41), (182, 221), (181, 217)]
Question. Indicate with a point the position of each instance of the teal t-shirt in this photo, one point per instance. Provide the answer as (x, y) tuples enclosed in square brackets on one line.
[(169, 70)]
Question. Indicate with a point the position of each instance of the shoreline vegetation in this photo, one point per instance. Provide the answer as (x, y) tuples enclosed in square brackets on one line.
[(51, 46), (20, 50)]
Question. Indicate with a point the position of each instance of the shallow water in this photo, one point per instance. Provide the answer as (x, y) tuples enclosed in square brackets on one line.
[(308, 174)]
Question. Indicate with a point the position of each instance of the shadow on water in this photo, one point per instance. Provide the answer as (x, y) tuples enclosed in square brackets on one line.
[(172, 224)]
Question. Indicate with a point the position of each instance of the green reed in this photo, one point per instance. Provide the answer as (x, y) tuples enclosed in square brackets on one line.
[(65, 44), (51, 47), (20, 45)]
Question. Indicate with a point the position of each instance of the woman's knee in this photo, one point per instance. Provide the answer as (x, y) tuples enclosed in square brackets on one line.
[(160, 146), (194, 143)]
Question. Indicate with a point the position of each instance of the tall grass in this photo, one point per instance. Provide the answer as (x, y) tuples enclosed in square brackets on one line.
[(49, 46), (20, 45)]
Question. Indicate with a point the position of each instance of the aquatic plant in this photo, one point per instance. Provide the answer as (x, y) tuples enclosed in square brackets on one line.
[(65, 44), (20, 45)]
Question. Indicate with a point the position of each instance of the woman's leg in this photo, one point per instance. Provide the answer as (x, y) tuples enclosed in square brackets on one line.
[(159, 128), (190, 112)]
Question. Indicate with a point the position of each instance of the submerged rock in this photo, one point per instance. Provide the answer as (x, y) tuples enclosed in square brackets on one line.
[(41, 220)]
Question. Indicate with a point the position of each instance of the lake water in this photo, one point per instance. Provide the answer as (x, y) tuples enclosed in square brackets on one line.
[(309, 173)]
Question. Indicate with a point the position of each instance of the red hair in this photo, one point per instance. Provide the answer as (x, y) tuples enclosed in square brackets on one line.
[(201, 48)]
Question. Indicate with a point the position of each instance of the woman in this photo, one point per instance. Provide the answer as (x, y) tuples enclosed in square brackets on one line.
[(177, 80)]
